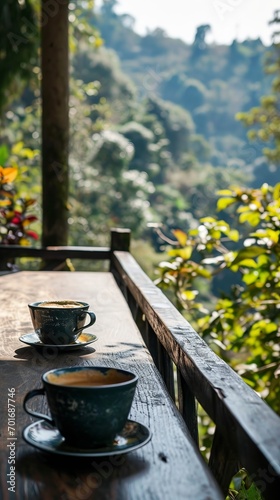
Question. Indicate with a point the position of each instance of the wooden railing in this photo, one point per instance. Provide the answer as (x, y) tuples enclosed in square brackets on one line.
[(54, 257), (247, 431)]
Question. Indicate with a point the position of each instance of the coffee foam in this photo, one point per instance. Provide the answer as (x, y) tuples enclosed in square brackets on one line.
[(61, 304), (89, 378)]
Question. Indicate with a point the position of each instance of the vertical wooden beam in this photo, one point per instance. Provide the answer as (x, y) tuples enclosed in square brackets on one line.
[(120, 240), (223, 461), (166, 369), (55, 120), (187, 406), (151, 341)]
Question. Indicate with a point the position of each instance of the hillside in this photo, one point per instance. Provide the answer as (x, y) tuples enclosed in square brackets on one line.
[(212, 82)]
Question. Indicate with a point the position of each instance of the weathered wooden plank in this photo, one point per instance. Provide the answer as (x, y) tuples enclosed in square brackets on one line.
[(51, 253), (120, 240), (245, 421), (168, 467)]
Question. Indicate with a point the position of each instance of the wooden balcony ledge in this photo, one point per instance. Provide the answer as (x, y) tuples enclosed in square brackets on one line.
[(139, 329)]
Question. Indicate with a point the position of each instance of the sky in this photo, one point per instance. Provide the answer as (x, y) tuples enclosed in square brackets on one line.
[(229, 19)]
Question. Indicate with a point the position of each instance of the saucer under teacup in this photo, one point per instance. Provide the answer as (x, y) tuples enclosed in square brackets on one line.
[(33, 340), (43, 436)]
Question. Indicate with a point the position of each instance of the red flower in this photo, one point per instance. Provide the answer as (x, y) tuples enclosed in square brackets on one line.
[(33, 235), (17, 219)]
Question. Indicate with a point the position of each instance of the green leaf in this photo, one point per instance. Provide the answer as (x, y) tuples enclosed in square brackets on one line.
[(248, 253), (264, 277), (4, 154), (250, 278), (267, 233), (249, 263), (181, 236), (189, 294), (184, 253), (276, 191), (224, 203), (233, 235), (265, 189), (28, 153), (253, 218), (16, 149), (225, 192), (203, 272), (208, 219), (263, 260), (215, 234)]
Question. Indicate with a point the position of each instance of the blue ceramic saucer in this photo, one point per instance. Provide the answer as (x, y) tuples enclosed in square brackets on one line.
[(33, 340), (45, 437)]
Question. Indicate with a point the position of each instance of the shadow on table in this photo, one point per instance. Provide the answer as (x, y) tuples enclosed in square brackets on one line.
[(70, 477), (50, 352)]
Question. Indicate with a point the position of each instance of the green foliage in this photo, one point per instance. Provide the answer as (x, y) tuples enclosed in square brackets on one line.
[(243, 327), (105, 193), (18, 46), (19, 41), (264, 120), (142, 138), (172, 171), (177, 123), (80, 28), (243, 488), (210, 81), (103, 67)]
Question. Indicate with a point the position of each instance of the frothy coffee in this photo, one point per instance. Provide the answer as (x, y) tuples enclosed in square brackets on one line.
[(89, 378), (61, 304)]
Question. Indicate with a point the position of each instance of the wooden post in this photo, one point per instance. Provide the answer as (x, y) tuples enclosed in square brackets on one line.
[(223, 461), (187, 406), (166, 369), (120, 239), (55, 121)]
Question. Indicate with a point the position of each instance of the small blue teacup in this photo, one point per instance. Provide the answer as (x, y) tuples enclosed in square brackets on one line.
[(88, 405), (60, 322)]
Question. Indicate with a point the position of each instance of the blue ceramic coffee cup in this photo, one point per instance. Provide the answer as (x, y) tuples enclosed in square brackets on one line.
[(60, 322), (88, 405)]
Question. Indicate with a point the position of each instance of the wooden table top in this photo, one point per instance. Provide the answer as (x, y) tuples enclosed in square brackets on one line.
[(167, 467)]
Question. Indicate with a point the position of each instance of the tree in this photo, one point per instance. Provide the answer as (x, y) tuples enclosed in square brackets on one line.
[(199, 43), (142, 138), (19, 40), (177, 124), (264, 120), (193, 95), (243, 326), (108, 194), (115, 88)]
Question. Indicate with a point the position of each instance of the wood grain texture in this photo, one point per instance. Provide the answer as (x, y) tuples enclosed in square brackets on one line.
[(249, 427), (167, 467)]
